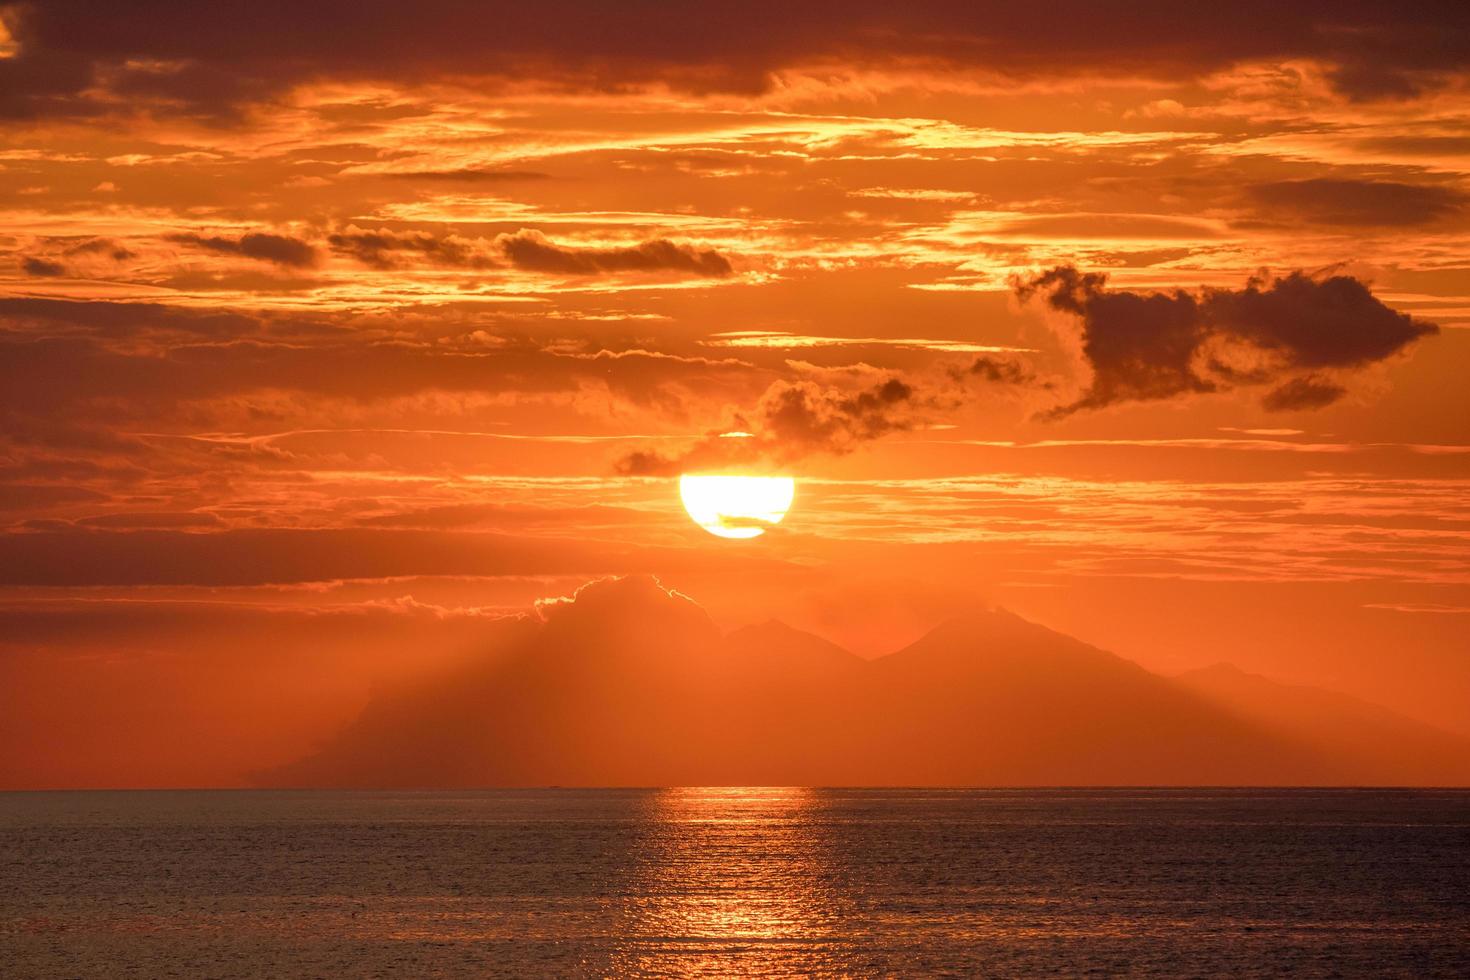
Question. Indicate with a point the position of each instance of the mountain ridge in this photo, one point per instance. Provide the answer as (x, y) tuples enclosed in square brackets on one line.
[(629, 683)]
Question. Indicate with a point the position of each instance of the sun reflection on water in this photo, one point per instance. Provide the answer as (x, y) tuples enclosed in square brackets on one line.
[(732, 880)]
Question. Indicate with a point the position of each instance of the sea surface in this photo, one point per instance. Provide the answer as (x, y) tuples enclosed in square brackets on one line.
[(735, 882)]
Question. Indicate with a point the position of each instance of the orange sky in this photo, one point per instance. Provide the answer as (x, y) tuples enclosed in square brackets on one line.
[(328, 335)]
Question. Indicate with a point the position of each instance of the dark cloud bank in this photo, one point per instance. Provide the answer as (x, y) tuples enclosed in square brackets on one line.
[(83, 57), (384, 248), (533, 251), (280, 249), (526, 249), (1357, 203)]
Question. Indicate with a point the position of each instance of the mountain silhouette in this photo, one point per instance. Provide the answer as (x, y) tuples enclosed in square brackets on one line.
[(628, 683), (1375, 745)]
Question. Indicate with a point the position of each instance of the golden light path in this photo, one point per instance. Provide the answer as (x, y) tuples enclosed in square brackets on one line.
[(736, 506)]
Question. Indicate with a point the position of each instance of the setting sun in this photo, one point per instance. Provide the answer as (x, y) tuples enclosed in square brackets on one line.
[(737, 506)]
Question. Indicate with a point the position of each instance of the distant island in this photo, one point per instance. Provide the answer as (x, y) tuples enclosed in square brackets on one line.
[(630, 684)]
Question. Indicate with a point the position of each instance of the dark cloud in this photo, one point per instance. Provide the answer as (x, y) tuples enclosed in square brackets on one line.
[(999, 371), (84, 57), (1140, 346), (647, 463), (533, 251), (150, 519), (86, 377), (29, 369), (24, 496), (793, 420), (1149, 346), (100, 246), (501, 515), (123, 319), (261, 556), (56, 625), (1415, 145), (806, 417), (1362, 203), (42, 267), (74, 556), (280, 249), (386, 249), (1312, 322), (1302, 393)]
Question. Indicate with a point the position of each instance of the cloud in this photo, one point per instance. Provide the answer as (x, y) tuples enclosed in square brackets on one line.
[(533, 251), (791, 421), (74, 57), (127, 621), (806, 417), (1360, 203), (178, 556), (1151, 346), (385, 249), (66, 555), (454, 516), (42, 267), (999, 371), (280, 249), (1302, 393), (212, 377), (469, 175), (151, 519), (100, 246), (123, 319), (526, 249), (622, 605), (24, 496)]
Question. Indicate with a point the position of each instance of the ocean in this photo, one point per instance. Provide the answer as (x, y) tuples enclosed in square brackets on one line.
[(736, 882)]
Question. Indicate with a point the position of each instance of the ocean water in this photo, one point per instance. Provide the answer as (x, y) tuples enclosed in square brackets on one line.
[(735, 882)]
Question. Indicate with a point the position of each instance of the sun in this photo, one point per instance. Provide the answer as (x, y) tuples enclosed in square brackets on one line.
[(737, 506)]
